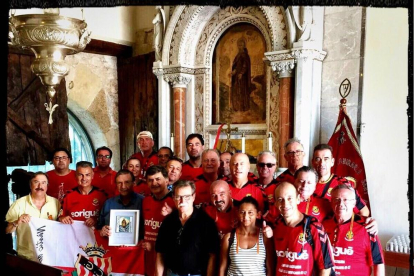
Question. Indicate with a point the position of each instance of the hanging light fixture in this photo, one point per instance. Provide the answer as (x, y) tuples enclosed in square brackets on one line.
[(51, 37)]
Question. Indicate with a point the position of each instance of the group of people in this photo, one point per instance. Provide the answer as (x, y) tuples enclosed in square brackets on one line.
[(210, 215)]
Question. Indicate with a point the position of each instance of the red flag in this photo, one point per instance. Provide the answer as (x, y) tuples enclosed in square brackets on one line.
[(348, 157)]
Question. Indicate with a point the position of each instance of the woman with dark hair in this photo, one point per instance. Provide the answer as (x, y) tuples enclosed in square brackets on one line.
[(133, 165), (246, 250)]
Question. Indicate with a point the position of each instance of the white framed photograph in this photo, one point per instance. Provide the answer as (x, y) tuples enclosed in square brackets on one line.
[(125, 227)]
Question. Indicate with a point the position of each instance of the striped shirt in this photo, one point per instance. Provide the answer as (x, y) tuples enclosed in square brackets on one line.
[(247, 261)]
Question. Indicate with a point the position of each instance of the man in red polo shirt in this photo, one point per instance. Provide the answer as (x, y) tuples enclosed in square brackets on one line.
[(245, 184), (61, 179), (192, 168), (294, 155), (157, 179), (211, 162), (103, 175), (266, 167), (356, 251), (146, 155)]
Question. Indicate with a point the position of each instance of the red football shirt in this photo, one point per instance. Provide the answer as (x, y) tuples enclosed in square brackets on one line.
[(152, 222), (225, 221), (285, 176), (269, 190), (105, 183), (355, 253), (146, 162), (298, 253), (60, 185), (81, 207), (142, 189), (202, 191), (188, 172), (251, 188)]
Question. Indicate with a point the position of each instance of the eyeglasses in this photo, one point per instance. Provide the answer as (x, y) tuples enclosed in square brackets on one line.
[(268, 165), (292, 153), (102, 156), (184, 197), (58, 158), (345, 200)]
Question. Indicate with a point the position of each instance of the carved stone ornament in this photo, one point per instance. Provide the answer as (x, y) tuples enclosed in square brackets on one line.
[(177, 80)]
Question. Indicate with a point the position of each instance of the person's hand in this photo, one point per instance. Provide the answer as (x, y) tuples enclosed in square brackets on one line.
[(90, 222), (371, 226), (166, 209), (106, 231), (25, 218), (267, 230), (66, 220), (147, 246)]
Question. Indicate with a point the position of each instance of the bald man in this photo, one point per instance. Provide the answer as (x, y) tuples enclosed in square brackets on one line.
[(210, 160), (302, 246), (244, 184)]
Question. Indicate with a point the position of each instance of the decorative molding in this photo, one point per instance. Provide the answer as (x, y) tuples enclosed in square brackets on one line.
[(177, 80), (305, 54), (159, 71)]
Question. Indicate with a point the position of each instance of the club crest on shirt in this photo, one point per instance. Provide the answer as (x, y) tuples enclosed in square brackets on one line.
[(302, 238), (329, 192), (349, 236), (315, 211), (95, 202)]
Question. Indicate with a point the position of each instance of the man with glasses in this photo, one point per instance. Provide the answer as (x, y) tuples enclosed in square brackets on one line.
[(356, 251), (294, 155), (146, 155), (188, 241), (323, 162), (266, 166), (103, 175), (164, 154), (61, 179), (193, 166)]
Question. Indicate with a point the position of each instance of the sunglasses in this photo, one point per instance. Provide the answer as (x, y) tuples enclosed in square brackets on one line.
[(268, 165)]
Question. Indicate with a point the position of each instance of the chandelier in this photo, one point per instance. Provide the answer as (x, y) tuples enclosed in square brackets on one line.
[(51, 37)]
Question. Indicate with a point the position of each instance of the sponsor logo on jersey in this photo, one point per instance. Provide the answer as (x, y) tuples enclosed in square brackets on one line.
[(84, 213), (154, 224), (302, 238), (315, 211), (337, 250), (95, 202), (292, 256), (349, 236)]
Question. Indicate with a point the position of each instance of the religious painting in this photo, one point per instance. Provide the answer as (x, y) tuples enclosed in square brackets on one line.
[(126, 227), (239, 77)]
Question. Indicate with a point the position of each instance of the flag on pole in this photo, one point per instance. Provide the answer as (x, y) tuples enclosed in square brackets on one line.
[(347, 154)]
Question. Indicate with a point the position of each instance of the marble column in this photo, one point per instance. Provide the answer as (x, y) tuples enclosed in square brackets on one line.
[(179, 84), (164, 106)]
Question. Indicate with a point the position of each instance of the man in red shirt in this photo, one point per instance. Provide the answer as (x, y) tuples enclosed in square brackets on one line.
[(174, 168), (103, 175), (221, 209), (266, 167), (224, 169), (294, 155), (84, 202), (61, 179), (245, 184), (164, 154), (355, 250), (302, 246), (192, 168), (146, 155), (157, 179), (211, 161), (323, 162)]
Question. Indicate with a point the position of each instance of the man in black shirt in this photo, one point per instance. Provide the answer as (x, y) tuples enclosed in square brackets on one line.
[(188, 241)]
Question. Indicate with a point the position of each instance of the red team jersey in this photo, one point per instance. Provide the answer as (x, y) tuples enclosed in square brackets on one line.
[(188, 172), (285, 176), (354, 254), (225, 221), (299, 254), (202, 191), (251, 188), (60, 185), (142, 189), (152, 222), (324, 190), (106, 183), (81, 207), (146, 162), (269, 190)]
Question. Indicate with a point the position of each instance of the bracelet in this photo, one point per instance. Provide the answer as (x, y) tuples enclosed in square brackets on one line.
[(15, 224)]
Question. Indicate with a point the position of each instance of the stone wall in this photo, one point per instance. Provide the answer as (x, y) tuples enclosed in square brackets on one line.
[(343, 35), (92, 86)]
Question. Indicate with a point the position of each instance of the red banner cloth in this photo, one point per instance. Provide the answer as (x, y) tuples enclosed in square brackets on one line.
[(347, 154)]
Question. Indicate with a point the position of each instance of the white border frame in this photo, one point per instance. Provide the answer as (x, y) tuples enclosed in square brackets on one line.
[(124, 238)]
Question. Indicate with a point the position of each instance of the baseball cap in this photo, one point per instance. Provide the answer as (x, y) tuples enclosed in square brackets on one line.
[(144, 134)]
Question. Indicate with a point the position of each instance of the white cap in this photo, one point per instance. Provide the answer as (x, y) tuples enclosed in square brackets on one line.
[(144, 134)]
